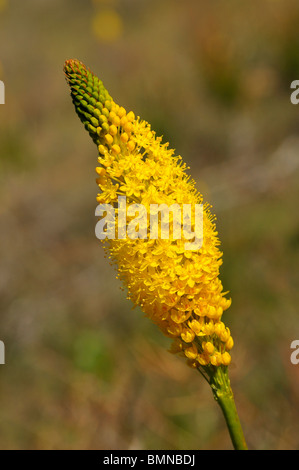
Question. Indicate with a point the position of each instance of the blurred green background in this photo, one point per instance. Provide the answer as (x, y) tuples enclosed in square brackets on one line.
[(83, 370)]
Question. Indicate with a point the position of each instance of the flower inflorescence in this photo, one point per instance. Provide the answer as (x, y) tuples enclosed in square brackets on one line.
[(178, 289)]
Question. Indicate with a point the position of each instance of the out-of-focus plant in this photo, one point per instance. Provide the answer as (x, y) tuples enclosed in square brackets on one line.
[(178, 289), (107, 24)]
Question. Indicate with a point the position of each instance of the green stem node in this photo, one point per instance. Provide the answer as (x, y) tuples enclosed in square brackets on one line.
[(223, 394)]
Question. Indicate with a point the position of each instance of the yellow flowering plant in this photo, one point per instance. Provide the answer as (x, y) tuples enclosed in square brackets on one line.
[(177, 288)]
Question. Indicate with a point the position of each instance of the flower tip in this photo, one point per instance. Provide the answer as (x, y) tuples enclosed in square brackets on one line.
[(73, 64), (73, 68)]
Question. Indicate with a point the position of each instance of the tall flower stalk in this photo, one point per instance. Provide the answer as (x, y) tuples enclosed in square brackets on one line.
[(178, 289)]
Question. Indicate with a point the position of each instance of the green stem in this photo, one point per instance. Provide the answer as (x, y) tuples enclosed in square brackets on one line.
[(224, 396)]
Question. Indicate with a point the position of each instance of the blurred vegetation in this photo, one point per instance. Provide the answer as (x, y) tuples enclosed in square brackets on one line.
[(84, 370)]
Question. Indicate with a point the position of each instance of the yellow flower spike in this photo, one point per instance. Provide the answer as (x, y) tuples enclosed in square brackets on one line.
[(188, 335), (128, 127), (229, 343), (196, 326), (203, 359), (116, 121), (224, 336), (208, 348), (207, 329), (108, 139), (123, 120), (102, 149), (105, 112), (191, 282), (219, 328), (131, 116), (100, 199), (216, 359), (226, 303), (219, 312), (178, 317), (211, 312), (121, 112), (100, 170), (124, 137), (131, 146), (112, 116), (102, 119), (113, 130), (226, 358), (178, 288), (116, 149), (191, 352)]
